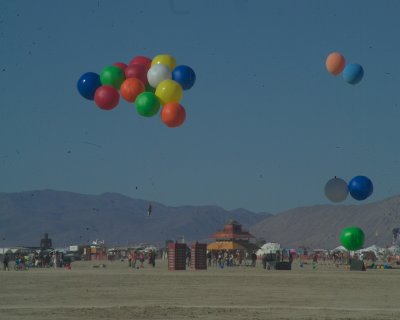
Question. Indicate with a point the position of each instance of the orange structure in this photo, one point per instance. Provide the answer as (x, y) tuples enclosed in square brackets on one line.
[(232, 237), (96, 251)]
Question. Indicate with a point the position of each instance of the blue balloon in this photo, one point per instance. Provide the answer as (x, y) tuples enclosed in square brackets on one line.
[(360, 187), (185, 76), (88, 84), (353, 73)]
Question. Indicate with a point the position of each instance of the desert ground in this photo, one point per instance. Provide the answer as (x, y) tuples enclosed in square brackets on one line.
[(120, 292)]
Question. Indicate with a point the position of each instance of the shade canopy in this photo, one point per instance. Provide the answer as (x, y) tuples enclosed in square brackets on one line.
[(225, 245)]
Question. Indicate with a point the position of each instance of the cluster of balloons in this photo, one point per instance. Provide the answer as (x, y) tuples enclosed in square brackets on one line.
[(352, 238), (336, 63), (337, 190), (148, 83)]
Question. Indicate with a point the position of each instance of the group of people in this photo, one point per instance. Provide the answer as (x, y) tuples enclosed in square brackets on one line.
[(42, 259), (136, 259), (20, 262), (231, 258)]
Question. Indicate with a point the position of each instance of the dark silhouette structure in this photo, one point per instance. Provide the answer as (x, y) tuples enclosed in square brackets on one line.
[(46, 243)]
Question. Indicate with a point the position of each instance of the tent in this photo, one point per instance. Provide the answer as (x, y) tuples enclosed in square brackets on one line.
[(339, 249), (269, 247), (372, 248), (394, 249)]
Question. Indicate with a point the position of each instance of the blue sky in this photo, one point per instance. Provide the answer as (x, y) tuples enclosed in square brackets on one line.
[(267, 126)]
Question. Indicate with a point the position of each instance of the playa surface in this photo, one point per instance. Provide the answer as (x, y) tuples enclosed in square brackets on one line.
[(119, 292)]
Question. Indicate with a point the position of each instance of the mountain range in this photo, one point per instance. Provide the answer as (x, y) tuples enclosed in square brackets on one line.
[(73, 218)]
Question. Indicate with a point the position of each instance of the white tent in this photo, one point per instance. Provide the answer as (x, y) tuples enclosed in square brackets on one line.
[(394, 249), (339, 249), (372, 248), (269, 247)]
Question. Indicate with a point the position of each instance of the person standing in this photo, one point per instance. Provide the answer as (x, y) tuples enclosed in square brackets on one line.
[(253, 259), (135, 257), (130, 259), (55, 260), (209, 258), (264, 261), (6, 260), (152, 258), (141, 259)]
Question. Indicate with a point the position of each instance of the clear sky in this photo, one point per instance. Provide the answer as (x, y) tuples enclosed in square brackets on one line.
[(267, 126)]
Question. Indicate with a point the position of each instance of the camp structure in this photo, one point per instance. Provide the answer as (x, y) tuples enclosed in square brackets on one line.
[(95, 251), (232, 237)]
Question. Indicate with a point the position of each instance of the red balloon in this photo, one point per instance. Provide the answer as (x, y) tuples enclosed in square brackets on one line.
[(141, 60), (106, 97), (131, 88), (173, 114), (137, 71), (120, 65)]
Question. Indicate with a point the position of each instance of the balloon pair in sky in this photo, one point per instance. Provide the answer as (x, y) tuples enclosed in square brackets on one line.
[(148, 83), (360, 188), (335, 64)]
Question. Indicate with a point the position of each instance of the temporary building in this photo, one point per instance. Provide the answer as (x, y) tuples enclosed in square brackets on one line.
[(269, 247), (394, 249), (339, 249)]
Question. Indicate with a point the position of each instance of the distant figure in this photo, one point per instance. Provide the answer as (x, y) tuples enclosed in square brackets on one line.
[(55, 260), (220, 259), (6, 260), (253, 259), (188, 258), (264, 261), (152, 258), (278, 256), (209, 258), (130, 259), (134, 259), (149, 210), (141, 259)]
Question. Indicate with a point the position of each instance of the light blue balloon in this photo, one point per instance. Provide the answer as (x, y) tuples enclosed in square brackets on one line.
[(353, 73)]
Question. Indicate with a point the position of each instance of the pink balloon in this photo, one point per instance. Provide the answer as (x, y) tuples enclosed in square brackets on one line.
[(141, 60), (106, 97), (120, 65), (137, 71)]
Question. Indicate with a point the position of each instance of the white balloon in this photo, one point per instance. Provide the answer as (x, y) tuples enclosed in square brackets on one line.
[(336, 190), (158, 73)]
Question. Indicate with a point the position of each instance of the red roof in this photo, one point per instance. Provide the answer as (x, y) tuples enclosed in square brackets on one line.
[(232, 230)]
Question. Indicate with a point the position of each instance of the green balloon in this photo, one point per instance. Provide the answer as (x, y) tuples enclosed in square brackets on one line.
[(352, 238), (112, 76), (147, 104)]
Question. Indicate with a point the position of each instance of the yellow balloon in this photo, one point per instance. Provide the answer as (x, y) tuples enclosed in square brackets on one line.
[(166, 59), (169, 91)]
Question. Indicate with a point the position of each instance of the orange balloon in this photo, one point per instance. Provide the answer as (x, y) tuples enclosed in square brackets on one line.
[(173, 114), (335, 63), (131, 88)]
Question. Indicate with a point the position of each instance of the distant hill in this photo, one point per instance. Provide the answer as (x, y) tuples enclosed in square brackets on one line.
[(72, 218), (320, 226)]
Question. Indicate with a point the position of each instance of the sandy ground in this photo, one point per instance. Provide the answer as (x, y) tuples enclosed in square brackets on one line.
[(119, 292)]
